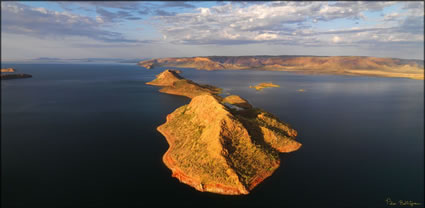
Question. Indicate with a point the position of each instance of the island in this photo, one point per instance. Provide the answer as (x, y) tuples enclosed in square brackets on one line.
[(337, 65), (263, 85), (14, 76), (8, 70), (221, 145)]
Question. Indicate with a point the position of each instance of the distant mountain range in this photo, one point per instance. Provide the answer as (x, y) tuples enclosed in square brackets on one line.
[(78, 60), (341, 65)]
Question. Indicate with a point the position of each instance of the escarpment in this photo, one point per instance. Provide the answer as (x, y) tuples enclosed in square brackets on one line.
[(339, 65)]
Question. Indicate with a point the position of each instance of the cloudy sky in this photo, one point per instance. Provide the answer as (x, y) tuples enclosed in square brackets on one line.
[(32, 30)]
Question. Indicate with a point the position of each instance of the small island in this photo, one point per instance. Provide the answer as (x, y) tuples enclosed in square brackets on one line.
[(8, 70), (263, 85), (14, 76), (7, 74), (215, 147)]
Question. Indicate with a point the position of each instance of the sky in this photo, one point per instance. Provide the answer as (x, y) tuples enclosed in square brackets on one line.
[(150, 29)]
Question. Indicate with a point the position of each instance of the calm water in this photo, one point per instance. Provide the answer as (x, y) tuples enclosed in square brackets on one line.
[(85, 136)]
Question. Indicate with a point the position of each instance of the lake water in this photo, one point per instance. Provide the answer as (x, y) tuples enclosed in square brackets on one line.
[(79, 135)]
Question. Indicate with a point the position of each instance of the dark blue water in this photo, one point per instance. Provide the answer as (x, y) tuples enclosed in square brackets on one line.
[(85, 136)]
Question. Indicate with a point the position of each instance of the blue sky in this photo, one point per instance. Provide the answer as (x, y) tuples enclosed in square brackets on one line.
[(72, 30)]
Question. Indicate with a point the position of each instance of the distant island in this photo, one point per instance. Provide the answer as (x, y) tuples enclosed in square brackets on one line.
[(8, 70), (14, 76), (339, 65), (220, 145), (263, 85)]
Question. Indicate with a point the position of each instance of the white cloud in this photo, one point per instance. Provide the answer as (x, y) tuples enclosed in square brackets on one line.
[(41, 10), (99, 19), (336, 39), (392, 16), (296, 24), (266, 36), (18, 18)]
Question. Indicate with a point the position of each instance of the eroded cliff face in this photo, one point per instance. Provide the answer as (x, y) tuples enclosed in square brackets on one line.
[(219, 149), (343, 65)]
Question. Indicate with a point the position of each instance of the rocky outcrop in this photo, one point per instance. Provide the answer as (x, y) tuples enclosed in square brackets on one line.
[(341, 65), (173, 83), (238, 101), (215, 148), (263, 85), (14, 76), (8, 70)]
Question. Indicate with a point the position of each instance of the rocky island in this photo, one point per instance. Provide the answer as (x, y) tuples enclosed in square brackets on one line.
[(221, 145), (263, 85), (7, 73), (339, 65), (8, 70)]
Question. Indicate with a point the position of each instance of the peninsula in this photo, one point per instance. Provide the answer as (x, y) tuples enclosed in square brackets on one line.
[(221, 145), (339, 65), (263, 85)]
